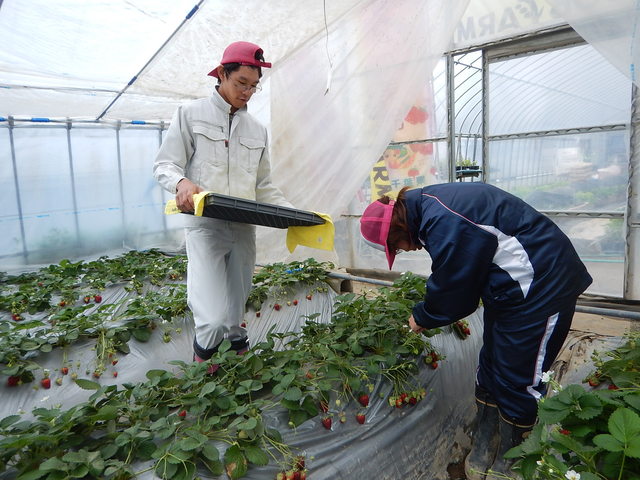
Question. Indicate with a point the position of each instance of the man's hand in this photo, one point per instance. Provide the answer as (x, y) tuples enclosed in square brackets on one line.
[(415, 328), (184, 195)]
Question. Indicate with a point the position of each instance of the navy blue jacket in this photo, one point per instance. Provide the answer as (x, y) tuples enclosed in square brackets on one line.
[(489, 245)]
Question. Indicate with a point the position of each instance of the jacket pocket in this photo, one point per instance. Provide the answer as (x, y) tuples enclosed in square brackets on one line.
[(209, 145), (250, 153)]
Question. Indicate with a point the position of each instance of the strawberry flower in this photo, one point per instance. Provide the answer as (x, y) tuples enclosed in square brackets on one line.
[(572, 475), (547, 376)]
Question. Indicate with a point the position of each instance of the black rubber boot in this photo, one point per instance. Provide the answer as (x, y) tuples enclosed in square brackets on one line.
[(511, 435), (484, 437)]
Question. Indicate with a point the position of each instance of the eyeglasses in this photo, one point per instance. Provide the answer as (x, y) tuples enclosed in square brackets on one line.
[(243, 87)]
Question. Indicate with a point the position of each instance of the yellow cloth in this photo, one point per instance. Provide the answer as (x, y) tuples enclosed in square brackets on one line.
[(198, 201), (315, 236)]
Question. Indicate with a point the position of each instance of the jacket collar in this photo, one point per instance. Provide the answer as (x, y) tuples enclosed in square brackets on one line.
[(222, 104)]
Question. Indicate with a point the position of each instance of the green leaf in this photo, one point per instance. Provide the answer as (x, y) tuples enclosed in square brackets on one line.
[(590, 407), (177, 455), (235, 462), (54, 464), (210, 452), (248, 424), (11, 419), (633, 400), (142, 334), (624, 425), (207, 389), (87, 384), (298, 417), (33, 475), (293, 394), (608, 442), (80, 471), (589, 476), (188, 443), (287, 379), (256, 455), (145, 449), (107, 412), (164, 469)]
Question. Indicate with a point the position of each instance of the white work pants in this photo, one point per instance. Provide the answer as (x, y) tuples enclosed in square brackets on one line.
[(221, 259)]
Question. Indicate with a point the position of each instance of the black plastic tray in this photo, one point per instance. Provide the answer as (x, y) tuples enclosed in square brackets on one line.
[(247, 211)]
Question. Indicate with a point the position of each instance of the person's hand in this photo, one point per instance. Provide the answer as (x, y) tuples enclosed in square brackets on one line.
[(415, 328), (184, 194)]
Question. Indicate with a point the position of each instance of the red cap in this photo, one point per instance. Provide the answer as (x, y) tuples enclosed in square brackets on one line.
[(243, 53), (374, 226)]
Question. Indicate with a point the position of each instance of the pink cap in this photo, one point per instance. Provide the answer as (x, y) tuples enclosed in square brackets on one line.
[(243, 53), (374, 226)]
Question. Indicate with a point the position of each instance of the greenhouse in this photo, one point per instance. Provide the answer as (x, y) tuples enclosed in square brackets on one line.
[(539, 98)]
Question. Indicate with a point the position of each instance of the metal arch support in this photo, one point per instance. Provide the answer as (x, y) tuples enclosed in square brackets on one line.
[(144, 67)]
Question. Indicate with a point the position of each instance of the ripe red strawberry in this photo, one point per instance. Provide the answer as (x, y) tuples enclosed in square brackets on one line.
[(467, 331), (360, 417), (434, 365), (564, 431), (399, 402), (115, 374), (309, 297), (295, 302), (114, 362), (243, 325), (17, 317), (257, 314), (97, 298), (13, 381), (183, 413), (326, 423), (404, 396), (45, 382), (62, 303), (277, 306), (613, 387), (434, 356), (593, 382), (309, 375), (87, 299), (64, 370), (413, 400), (299, 463), (364, 399)]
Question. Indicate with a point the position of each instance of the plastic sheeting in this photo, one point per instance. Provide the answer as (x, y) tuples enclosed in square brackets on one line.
[(611, 27), (412, 442)]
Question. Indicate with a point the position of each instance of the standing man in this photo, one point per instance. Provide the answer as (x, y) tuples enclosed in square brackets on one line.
[(214, 144), (489, 245)]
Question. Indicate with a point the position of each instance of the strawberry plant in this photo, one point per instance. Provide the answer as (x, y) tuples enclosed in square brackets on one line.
[(589, 433), (175, 423), (279, 279)]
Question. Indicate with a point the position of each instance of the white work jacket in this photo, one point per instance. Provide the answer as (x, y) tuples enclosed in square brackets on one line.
[(226, 159)]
